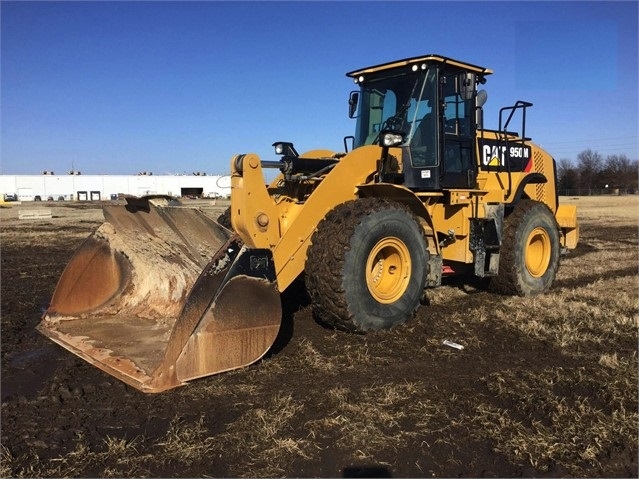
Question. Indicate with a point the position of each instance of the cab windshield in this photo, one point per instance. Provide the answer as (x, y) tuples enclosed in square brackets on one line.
[(402, 103)]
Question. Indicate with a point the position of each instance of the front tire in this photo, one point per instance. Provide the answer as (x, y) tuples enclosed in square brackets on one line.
[(529, 255), (366, 267)]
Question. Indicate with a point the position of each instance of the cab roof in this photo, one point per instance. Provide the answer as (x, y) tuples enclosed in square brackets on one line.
[(432, 58)]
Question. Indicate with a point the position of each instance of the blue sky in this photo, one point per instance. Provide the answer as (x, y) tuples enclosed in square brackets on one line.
[(172, 87)]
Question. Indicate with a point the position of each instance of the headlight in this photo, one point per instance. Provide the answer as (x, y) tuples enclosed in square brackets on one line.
[(285, 148), (392, 139)]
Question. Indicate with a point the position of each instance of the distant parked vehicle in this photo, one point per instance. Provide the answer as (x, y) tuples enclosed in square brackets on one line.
[(10, 197), (49, 198), (37, 198), (60, 198)]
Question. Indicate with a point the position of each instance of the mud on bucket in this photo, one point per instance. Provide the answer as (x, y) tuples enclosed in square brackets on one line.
[(162, 294)]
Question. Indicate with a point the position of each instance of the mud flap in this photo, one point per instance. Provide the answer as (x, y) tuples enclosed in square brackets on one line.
[(152, 299)]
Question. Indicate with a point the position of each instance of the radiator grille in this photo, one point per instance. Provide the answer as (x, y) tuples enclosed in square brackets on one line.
[(538, 165)]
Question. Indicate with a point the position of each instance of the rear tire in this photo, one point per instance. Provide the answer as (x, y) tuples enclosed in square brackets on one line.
[(529, 255), (366, 267)]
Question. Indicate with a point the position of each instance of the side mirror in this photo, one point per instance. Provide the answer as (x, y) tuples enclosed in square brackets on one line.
[(480, 100), (482, 96), (467, 83), (353, 100)]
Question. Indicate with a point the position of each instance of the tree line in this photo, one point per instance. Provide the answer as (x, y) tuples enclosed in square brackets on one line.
[(594, 175)]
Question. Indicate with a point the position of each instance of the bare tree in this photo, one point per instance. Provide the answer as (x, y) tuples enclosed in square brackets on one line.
[(590, 165), (567, 176), (620, 172)]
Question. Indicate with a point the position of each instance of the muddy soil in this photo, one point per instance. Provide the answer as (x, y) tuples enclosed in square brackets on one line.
[(50, 397)]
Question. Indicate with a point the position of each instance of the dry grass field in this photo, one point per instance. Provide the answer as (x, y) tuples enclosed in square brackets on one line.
[(545, 386)]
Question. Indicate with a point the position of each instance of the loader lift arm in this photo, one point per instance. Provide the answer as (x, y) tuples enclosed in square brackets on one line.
[(257, 217)]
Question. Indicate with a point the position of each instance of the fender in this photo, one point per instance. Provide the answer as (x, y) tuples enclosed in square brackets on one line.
[(406, 196), (531, 179)]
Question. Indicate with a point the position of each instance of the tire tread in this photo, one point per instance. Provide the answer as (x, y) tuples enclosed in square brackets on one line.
[(507, 281), (325, 263)]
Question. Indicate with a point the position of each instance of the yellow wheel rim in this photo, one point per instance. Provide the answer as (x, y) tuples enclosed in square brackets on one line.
[(388, 270), (538, 248)]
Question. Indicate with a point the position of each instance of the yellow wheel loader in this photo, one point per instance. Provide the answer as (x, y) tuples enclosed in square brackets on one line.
[(161, 294)]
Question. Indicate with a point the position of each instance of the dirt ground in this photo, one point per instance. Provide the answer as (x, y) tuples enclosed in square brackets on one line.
[(524, 398)]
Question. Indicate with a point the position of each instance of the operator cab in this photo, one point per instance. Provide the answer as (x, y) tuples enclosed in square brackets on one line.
[(427, 106)]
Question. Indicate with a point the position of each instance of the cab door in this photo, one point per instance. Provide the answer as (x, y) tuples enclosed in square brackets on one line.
[(458, 165)]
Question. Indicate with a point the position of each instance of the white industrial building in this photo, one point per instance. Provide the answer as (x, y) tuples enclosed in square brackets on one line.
[(107, 187)]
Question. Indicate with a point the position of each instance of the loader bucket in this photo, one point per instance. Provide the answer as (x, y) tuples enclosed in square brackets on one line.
[(159, 295)]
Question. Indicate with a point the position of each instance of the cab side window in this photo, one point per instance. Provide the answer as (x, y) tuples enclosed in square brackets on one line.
[(457, 110)]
